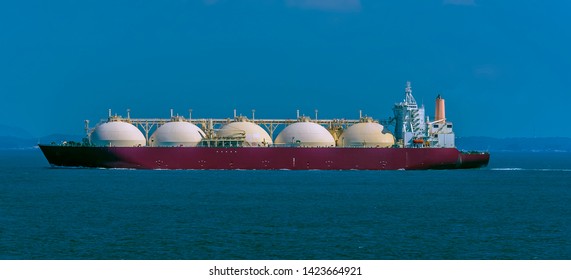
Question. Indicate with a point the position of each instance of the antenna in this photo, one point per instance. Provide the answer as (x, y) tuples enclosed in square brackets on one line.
[(87, 128), (408, 94)]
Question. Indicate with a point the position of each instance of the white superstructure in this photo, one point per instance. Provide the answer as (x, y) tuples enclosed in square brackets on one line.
[(410, 119), (413, 128)]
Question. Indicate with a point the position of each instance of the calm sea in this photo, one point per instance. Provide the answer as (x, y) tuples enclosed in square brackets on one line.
[(517, 208)]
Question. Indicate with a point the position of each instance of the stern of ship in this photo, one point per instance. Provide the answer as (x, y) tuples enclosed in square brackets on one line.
[(473, 159)]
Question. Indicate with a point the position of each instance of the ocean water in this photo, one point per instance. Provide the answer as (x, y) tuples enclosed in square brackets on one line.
[(519, 207)]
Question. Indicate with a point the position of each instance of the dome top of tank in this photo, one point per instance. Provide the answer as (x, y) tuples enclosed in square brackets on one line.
[(253, 134), (177, 132), (366, 133), (306, 134), (117, 133)]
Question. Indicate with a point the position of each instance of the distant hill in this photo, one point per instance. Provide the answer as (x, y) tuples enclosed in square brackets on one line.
[(520, 144), (15, 132), (12, 142)]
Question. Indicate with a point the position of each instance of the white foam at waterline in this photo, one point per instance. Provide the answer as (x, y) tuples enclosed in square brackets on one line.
[(564, 170), (508, 169), (532, 169)]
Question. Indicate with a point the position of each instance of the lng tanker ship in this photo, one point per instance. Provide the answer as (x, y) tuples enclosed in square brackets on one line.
[(241, 143)]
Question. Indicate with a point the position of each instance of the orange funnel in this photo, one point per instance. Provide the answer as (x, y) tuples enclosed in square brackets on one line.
[(440, 112)]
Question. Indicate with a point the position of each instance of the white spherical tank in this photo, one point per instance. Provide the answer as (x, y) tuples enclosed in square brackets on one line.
[(366, 134), (253, 133), (305, 134), (177, 134), (117, 134)]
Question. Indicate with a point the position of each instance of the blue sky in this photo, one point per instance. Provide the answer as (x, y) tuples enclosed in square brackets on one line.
[(502, 66)]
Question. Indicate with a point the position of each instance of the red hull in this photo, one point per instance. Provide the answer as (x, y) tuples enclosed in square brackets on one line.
[(263, 158)]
